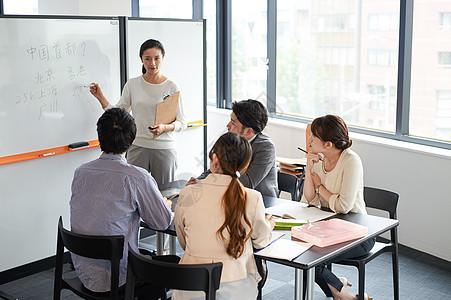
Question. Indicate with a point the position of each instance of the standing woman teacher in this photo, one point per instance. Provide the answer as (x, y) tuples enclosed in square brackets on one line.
[(334, 179), (141, 96)]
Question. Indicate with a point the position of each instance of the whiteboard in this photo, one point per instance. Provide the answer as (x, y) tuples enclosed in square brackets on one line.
[(46, 64), (184, 63)]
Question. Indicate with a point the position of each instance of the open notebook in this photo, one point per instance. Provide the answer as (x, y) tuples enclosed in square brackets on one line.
[(283, 248), (298, 211)]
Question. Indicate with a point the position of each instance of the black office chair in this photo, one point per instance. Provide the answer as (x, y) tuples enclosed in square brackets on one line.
[(262, 268), (386, 201), (196, 277), (97, 247), (300, 187), (7, 296), (288, 183)]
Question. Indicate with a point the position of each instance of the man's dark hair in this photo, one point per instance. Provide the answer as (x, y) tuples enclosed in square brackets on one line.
[(251, 113), (116, 130)]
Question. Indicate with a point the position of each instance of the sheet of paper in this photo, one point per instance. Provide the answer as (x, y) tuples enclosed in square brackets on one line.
[(275, 235), (284, 249), (299, 211)]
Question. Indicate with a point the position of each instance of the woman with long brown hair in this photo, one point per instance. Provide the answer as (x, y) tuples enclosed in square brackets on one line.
[(219, 220)]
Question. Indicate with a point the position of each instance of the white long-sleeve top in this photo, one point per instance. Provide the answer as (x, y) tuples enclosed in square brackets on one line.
[(141, 98), (345, 182)]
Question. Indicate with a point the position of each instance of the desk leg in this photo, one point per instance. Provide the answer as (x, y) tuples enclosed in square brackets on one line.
[(160, 243), (298, 284), (310, 283), (172, 245)]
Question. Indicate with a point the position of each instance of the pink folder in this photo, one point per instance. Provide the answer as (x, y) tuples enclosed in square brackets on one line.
[(329, 232)]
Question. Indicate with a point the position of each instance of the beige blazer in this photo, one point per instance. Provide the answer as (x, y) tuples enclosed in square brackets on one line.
[(199, 214)]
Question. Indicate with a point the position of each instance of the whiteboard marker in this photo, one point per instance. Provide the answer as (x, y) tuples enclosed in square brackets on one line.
[(90, 86), (46, 154)]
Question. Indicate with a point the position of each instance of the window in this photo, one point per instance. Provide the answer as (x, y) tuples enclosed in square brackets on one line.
[(430, 97), (383, 21), (445, 20), (326, 61), (210, 15), (444, 59), (182, 9), (20, 7), (443, 121), (382, 57), (341, 57), (249, 48)]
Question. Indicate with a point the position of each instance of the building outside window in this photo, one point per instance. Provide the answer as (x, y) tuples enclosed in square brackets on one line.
[(431, 71), (329, 53), (180, 9), (210, 15), (20, 7), (249, 49)]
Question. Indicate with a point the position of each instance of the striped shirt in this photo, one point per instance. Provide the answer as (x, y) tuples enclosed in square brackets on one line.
[(110, 197)]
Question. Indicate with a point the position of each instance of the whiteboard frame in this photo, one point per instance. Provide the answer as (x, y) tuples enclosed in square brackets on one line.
[(36, 192), (121, 63)]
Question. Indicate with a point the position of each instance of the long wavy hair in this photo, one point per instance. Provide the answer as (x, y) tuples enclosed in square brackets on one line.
[(234, 154)]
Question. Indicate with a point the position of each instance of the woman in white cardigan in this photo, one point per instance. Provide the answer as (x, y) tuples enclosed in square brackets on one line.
[(219, 220), (334, 179), (154, 147)]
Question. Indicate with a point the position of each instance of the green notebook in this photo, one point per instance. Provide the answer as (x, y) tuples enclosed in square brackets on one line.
[(286, 224)]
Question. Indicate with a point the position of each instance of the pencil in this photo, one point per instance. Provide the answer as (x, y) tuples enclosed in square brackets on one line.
[(306, 152), (172, 197)]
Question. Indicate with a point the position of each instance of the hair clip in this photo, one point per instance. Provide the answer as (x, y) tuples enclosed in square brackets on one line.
[(237, 174)]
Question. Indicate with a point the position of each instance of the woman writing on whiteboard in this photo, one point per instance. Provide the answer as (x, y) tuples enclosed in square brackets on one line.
[(334, 179), (154, 146), (219, 220)]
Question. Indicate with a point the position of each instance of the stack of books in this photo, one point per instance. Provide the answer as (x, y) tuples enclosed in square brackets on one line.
[(292, 165)]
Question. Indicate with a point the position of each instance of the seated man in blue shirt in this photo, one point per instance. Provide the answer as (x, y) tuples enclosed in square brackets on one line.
[(110, 196), (248, 119)]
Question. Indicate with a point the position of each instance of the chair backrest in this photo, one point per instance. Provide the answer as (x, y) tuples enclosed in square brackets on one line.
[(197, 277), (98, 247), (287, 183), (300, 187), (308, 133), (381, 199)]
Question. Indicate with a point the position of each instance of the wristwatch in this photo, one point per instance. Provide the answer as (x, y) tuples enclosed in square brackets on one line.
[(317, 188)]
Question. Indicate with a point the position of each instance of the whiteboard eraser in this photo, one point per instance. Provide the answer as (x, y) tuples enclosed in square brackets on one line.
[(78, 145)]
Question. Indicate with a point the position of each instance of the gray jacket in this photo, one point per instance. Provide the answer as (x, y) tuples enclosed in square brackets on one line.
[(261, 175)]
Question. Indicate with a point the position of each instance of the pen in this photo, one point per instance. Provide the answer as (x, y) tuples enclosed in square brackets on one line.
[(90, 86)]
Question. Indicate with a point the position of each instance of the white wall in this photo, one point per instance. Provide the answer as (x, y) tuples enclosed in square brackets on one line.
[(33, 195), (419, 174)]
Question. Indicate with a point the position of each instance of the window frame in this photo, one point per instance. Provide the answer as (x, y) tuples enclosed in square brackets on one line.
[(224, 59), (403, 81)]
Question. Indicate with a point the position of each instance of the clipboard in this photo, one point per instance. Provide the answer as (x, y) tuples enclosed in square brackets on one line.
[(166, 112)]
